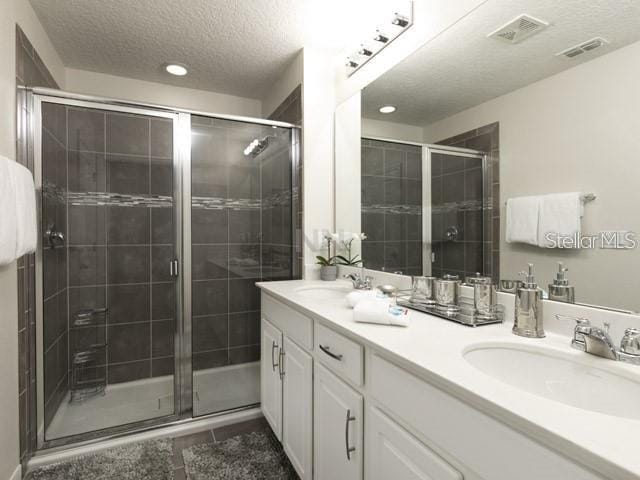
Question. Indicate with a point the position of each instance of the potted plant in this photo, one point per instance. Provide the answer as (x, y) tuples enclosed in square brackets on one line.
[(328, 267), (351, 260)]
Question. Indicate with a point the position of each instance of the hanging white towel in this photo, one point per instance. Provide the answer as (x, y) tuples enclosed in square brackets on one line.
[(522, 220), (8, 219), (26, 214), (560, 218), (380, 312)]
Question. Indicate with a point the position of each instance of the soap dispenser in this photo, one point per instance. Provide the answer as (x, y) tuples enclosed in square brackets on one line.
[(560, 290), (528, 312)]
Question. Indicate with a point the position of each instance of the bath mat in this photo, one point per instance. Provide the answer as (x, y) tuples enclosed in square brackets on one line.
[(250, 456), (150, 460)]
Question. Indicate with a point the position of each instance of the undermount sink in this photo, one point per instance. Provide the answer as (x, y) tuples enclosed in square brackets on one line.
[(329, 292), (559, 377)]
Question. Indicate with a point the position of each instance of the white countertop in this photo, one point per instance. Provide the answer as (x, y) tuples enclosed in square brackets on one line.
[(433, 348)]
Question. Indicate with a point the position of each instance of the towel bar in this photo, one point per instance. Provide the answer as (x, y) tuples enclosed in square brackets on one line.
[(587, 197)]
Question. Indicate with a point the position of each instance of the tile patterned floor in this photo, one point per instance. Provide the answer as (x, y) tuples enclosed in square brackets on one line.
[(178, 444), (216, 435)]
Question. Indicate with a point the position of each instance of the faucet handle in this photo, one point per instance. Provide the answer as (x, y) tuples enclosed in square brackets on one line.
[(630, 343), (581, 322)]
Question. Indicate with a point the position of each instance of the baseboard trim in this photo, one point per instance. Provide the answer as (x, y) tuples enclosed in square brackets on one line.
[(17, 474)]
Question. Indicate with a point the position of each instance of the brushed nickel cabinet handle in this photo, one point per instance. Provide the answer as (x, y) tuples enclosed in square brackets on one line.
[(281, 364), (349, 449), (328, 351), (274, 364)]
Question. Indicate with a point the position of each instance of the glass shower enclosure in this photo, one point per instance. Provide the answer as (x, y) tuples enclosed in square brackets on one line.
[(155, 226)]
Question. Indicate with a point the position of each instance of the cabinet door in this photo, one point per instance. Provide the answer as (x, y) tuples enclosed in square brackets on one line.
[(270, 383), (337, 432), (392, 452), (297, 385)]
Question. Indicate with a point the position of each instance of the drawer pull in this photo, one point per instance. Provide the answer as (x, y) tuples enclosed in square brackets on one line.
[(328, 351), (274, 364), (349, 449)]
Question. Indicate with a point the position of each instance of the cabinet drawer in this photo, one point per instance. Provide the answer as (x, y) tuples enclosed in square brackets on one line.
[(293, 324), (448, 425), (340, 354)]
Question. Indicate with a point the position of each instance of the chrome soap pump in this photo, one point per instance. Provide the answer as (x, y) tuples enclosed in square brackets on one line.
[(528, 309), (560, 290)]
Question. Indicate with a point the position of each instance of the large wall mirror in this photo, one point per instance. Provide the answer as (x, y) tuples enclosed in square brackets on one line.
[(483, 153)]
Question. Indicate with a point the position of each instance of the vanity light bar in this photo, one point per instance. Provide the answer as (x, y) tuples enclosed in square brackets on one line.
[(382, 38)]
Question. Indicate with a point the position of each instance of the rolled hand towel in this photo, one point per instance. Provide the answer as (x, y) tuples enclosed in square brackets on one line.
[(382, 313), (358, 296)]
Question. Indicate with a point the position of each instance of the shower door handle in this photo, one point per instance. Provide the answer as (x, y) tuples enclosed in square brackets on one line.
[(173, 268)]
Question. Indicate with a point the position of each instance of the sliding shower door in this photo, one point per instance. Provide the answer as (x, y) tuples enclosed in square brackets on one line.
[(108, 314), (241, 233)]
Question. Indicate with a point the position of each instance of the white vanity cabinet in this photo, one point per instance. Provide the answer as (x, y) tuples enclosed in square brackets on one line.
[(337, 428), (392, 452), (270, 377), (286, 382), (344, 410)]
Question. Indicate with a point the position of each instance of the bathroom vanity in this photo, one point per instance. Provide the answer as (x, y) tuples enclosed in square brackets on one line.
[(437, 399)]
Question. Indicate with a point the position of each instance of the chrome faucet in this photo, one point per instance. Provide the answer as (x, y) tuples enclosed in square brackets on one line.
[(360, 281), (597, 341)]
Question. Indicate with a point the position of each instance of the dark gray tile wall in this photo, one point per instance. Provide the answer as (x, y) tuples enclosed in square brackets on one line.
[(119, 250), (241, 233), (485, 139), (290, 110), (392, 206), (31, 71)]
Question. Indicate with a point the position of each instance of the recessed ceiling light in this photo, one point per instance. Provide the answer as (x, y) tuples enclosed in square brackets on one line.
[(176, 69), (387, 109)]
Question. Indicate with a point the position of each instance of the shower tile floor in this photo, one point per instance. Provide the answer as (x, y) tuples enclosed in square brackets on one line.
[(182, 443)]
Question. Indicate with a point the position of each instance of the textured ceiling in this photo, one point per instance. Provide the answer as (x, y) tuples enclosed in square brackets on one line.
[(462, 68), (237, 47)]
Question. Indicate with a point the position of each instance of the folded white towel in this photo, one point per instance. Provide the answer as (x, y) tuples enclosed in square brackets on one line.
[(522, 220), (560, 217), (26, 215), (381, 312), (357, 296), (8, 217)]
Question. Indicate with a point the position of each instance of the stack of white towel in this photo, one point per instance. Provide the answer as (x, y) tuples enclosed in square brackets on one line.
[(18, 216), (373, 307), (531, 219)]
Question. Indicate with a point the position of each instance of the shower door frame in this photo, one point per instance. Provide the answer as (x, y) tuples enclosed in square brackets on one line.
[(183, 373), (181, 160)]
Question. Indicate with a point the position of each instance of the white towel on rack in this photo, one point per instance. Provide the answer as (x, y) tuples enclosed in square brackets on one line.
[(522, 220), (8, 218), (560, 217)]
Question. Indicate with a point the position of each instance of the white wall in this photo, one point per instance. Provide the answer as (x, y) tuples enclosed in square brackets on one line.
[(290, 78), (12, 12), (318, 100), (100, 84), (575, 131), (391, 130)]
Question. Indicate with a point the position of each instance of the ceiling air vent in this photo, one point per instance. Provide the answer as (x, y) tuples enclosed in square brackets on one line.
[(518, 29), (583, 47)]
